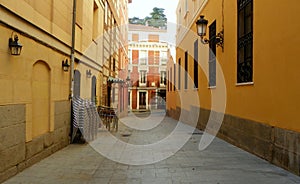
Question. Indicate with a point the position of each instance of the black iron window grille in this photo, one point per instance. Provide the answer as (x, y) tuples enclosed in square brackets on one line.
[(179, 73), (186, 70), (174, 82), (245, 41), (196, 64), (212, 55)]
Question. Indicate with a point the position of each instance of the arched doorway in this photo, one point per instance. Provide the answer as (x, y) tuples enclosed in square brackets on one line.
[(77, 78)]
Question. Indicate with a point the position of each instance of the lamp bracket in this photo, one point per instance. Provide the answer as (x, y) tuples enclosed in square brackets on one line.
[(219, 40)]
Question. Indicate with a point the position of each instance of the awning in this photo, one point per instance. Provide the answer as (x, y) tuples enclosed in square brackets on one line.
[(114, 80)]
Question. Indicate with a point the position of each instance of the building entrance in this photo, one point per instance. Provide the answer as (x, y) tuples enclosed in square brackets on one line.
[(142, 100)]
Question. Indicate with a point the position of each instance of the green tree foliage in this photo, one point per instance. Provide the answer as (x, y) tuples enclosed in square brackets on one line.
[(157, 19)]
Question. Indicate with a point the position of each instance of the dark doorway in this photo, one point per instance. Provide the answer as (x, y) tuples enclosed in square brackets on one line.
[(142, 100), (77, 79), (93, 90)]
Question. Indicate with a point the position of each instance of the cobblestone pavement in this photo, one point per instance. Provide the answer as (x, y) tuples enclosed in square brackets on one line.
[(220, 163)]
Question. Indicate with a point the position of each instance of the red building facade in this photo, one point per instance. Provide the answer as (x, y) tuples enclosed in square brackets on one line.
[(148, 56)]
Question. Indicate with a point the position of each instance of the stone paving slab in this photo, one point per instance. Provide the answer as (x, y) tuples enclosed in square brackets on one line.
[(220, 163)]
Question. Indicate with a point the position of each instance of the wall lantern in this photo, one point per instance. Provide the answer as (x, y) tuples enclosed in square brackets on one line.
[(88, 73), (65, 65), (128, 82), (201, 30), (14, 46)]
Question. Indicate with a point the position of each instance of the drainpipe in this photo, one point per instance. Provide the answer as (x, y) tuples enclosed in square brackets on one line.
[(72, 67), (72, 51)]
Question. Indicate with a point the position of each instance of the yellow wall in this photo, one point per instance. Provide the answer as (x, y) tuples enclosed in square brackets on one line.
[(46, 38), (274, 96), (20, 83)]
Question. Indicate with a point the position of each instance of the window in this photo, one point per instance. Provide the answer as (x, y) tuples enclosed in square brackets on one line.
[(212, 55), (163, 77), (186, 6), (179, 73), (79, 12), (156, 57), (186, 70), (196, 64), (106, 13), (245, 41), (135, 37), (179, 19), (143, 57), (163, 58), (170, 79), (174, 77), (168, 83), (114, 64), (143, 77), (128, 98), (153, 38), (95, 21), (130, 56)]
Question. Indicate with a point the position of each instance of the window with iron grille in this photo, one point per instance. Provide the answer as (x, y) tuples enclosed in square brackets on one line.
[(179, 73), (143, 76), (186, 70), (168, 82), (245, 41), (212, 55), (196, 64), (174, 77), (163, 58), (170, 79), (163, 77), (143, 57)]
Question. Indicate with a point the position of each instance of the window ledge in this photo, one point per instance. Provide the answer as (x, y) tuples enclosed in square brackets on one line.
[(244, 84), (212, 87), (195, 89)]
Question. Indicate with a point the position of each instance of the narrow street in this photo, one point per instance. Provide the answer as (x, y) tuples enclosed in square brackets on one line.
[(220, 163)]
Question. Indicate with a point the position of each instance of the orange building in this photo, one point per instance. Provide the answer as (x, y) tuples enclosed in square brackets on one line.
[(245, 68)]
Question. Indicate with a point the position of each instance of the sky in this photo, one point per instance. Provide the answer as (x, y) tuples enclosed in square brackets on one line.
[(143, 8)]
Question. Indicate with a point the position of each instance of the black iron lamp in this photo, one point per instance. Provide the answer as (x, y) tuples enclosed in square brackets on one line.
[(201, 30), (65, 65), (128, 81), (88, 73), (14, 46)]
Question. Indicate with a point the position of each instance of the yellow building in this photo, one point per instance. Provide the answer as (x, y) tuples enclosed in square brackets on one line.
[(35, 93), (251, 77)]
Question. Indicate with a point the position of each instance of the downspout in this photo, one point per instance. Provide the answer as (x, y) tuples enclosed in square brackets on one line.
[(72, 51), (72, 71)]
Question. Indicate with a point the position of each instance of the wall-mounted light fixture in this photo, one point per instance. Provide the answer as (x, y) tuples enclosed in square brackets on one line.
[(65, 65), (201, 30), (128, 81), (14, 46), (88, 73)]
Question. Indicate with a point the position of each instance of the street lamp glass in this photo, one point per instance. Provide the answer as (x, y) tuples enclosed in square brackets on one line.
[(14, 46), (201, 26)]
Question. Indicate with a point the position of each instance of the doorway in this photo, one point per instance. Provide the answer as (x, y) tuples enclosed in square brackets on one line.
[(142, 100)]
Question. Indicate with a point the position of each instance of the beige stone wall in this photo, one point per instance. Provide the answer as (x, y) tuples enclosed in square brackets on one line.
[(16, 153), (276, 145)]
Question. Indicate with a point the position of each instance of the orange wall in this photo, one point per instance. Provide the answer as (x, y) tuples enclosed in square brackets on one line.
[(274, 96)]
